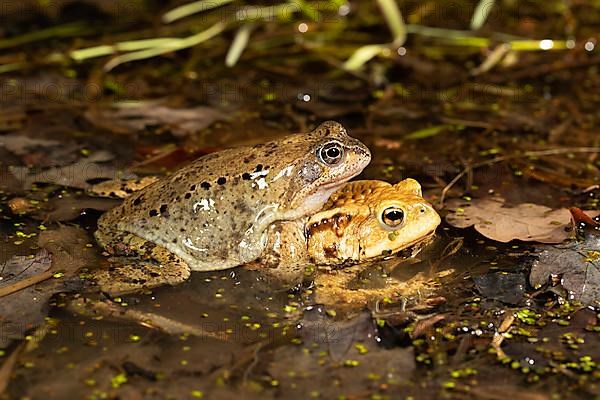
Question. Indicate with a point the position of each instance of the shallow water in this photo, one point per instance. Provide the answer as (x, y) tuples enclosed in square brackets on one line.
[(423, 114)]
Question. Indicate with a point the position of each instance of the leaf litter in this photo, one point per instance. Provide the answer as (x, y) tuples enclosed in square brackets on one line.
[(135, 118), (28, 283), (574, 266), (526, 221), (79, 174)]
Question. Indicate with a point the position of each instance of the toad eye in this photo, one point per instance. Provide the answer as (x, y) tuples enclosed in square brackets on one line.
[(331, 153), (392, 216)]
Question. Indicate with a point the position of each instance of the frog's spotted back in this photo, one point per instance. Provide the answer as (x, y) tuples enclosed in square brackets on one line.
[(214, 212), (357, 191)]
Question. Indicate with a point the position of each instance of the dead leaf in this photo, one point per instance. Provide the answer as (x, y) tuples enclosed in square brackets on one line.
[(576, 264), (21, 206), (179, 122), (26, 308), (70, 248), (75, 175), (337, 336), (19, 268), (305, 372), (41, 152), (506, 287), (69, 208), (21, 145), (527, 222)]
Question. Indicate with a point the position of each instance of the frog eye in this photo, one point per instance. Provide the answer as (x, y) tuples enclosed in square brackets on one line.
[(392, 216), (331, 153)]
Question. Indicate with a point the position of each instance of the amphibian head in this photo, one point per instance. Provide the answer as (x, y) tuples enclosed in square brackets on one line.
[(368, 219), (328, 158)]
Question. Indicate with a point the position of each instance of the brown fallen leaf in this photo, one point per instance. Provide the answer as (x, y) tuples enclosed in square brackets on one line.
[(180, 122), (28, 282), (70, 249), (21, 145), (42, 153), (338, 336), (23, 271), (77, 175), (24, 307), (69, 208), (527, 222)]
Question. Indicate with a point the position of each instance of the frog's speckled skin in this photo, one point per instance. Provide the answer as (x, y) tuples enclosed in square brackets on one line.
[(213, 214)]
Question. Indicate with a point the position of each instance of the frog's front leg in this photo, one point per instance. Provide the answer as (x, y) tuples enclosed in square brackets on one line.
[(157, 266), (285, 259)]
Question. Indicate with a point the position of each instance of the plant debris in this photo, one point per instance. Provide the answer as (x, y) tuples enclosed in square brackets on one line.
[(137, 118), (77, 175), (526, 222), (573, 266)]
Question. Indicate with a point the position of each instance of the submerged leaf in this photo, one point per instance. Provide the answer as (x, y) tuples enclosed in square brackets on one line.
[(506, 287), (64, 252), (575, 265), (25, 309), (23, 267)]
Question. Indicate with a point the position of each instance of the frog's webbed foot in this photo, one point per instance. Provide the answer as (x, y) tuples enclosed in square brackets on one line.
[(157, 267)]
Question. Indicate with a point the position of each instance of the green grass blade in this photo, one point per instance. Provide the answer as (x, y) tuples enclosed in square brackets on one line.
[(481, 13), (363, 55), (427, 132), (11, 67), (394, 20), (192, 8), (238, 45), (172, 45), (307, 9), (131, 45), (60, 31)]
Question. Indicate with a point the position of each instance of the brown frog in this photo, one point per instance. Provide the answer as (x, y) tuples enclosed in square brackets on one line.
[(215, 213)]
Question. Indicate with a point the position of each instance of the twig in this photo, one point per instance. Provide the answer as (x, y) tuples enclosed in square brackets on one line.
[(253, 363), (544, 69), (91, 308), (25, 283), (499, 335), (535, 153), (8, 366)]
